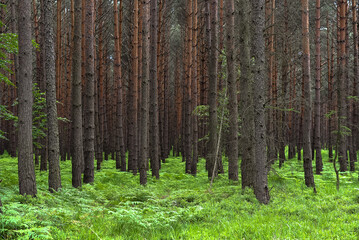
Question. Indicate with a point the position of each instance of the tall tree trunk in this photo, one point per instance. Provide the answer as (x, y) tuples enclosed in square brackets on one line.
[(89, 98), (76, 99), (52, 122), (307, 120), (144, 92), (246, 99), (154, 130), (330, 60), (58, 49), (120, 144), (317, 110), (213, 73), (99, 96), (43, 141), (342, 80), (133, 98), (261, 189), (189, 68), (282, 134), (195, 77), (232, 94), (270, 12), (14, 80), (354, 116), (26, 170)]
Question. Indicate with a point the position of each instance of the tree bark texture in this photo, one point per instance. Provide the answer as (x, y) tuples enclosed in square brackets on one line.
[(261, 189), (154, 129), (52, 122), (213, 75), (26, 170), (145, 92), (317, 103), (232, 94), (89, 97), (307, 119), (246, 99), (76, 99)]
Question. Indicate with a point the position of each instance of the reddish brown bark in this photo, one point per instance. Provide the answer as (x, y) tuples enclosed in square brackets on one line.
[(317, 103), (307, 118)]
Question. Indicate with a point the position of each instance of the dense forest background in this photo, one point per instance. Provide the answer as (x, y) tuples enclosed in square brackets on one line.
[(213, 89)]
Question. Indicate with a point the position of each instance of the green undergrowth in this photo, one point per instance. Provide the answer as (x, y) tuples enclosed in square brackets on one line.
[(180, 206)]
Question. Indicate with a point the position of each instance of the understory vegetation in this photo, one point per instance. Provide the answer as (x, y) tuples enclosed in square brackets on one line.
[(180, 206)]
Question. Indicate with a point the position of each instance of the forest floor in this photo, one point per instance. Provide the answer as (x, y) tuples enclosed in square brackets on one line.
[(180, 206)]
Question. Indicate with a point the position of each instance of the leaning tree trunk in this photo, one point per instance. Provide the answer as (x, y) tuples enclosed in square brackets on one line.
[(307, 119), (260, 155), (26, 170), (52, 122)]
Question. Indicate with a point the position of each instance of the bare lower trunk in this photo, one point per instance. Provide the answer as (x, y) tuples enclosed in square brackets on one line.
[(246, 141), (154, 131), (317, 107), (89, 98), (144, 93), (213, 71), (76, 99), (261, 189), (52, 122), (26, 170), (307, 119), (232, 94)]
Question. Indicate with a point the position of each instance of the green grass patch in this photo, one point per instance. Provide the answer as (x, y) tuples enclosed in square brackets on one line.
[(180, 206)]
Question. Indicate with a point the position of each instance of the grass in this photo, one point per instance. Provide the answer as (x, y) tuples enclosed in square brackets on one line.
[(180, 206)]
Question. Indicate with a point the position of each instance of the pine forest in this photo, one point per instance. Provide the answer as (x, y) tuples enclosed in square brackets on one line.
[(179, 119)]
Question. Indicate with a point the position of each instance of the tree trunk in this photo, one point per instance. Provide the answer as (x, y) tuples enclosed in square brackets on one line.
[(307, 119), (120, 144), (232, 94), (342, 80), (26, 170), (154, 130), (270, 12), (213, 75), (282, 133), (144, 92), (76, 99), (261, 189), (194, 84), (188, 72), (330, 60), (246, 99), (101, 73), (89, 98), (354, 116), (317, 110), (133, 98), (52, 122)]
